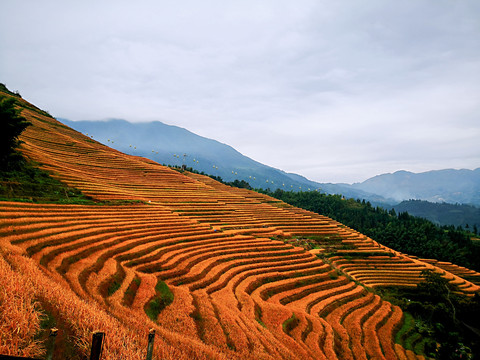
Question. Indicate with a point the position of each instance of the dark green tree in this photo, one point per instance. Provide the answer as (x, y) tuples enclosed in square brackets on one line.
[(11, 126)]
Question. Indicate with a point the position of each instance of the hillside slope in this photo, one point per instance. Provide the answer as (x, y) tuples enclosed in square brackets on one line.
[(218, 272)]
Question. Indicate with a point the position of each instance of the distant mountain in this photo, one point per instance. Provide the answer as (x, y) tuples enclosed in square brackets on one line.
[(450, 186), (167, 145), (442, 213)]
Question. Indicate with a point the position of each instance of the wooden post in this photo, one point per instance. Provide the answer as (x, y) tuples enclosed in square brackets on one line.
[(97, 345), (51, 344), (151, 337)]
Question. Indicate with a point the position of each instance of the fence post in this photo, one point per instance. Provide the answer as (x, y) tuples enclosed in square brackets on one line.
[(97, 345), (51, 343), (151, 337)]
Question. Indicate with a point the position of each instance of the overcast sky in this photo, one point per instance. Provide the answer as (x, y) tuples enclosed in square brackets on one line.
[(337, 91)]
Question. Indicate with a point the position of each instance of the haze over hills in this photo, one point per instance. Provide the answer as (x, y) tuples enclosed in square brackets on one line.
[(450, 186), (167, 144), (443, 213)]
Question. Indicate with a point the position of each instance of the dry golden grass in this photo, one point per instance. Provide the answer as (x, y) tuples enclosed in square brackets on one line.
[(20, 314)]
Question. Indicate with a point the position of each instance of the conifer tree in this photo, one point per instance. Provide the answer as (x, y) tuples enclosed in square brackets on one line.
[(12, 125)]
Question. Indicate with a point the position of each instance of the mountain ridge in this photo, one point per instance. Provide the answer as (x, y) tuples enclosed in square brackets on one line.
[(167, 144), (203, 154), (446, 185)]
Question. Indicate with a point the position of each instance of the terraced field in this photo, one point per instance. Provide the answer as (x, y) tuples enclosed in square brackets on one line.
[(219, 272)]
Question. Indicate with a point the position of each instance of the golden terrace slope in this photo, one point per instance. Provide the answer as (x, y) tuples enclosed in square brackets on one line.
[(243, 286)]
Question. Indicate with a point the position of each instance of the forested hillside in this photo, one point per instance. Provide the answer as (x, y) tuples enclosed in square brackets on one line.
[(402, 232), (465, 216)]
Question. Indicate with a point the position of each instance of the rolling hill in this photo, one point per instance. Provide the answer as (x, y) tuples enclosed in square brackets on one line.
[(218, 272)]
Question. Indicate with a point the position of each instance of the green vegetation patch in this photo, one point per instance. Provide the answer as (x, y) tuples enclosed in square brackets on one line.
[(407, 325), (114, 282), (160, 301), (164, 291), (28, 183), (290, 324)]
